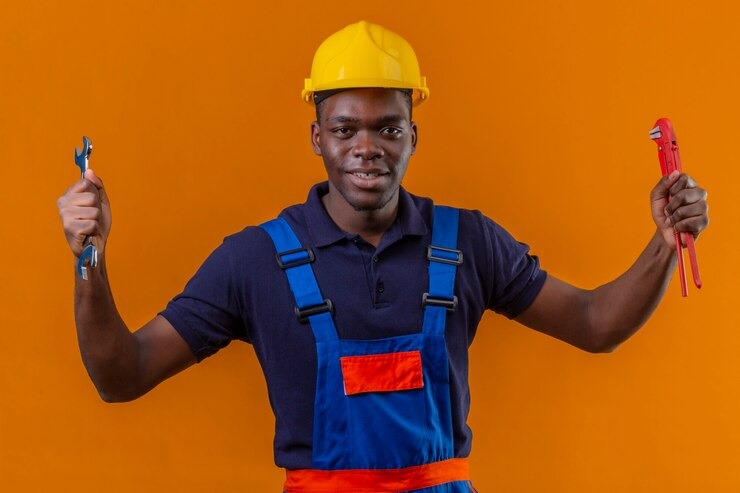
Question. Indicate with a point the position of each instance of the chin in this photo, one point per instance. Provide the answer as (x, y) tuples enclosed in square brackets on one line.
[(366, 208), (368, 204)]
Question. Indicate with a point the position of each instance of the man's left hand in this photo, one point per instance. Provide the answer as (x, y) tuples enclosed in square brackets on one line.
[(687, 210)]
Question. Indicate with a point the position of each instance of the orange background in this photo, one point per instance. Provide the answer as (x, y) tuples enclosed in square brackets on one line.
[(539, 115)]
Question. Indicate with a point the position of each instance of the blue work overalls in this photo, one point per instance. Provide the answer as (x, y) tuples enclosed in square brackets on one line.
[(382, 418)]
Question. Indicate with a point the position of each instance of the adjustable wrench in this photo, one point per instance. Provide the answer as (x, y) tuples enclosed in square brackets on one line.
[(89, 253)]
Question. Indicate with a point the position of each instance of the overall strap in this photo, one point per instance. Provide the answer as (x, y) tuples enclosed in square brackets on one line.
[(296, 261), (443, 261)]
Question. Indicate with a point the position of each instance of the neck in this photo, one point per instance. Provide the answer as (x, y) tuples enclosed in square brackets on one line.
[(370, 225)]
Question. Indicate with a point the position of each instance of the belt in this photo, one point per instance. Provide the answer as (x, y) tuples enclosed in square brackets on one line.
[(376, 480)]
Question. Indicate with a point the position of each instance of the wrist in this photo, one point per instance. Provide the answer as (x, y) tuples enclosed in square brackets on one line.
[(663, 245)]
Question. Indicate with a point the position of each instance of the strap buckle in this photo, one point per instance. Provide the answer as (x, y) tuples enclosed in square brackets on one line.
[(444, 255), (310, 257), (304, 313), (449, 305)]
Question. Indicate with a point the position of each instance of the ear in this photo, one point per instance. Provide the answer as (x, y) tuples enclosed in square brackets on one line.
[(414, 136), (316, 138)]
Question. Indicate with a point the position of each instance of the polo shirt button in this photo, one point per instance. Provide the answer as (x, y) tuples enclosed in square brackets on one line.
[(380, 288), (376, 259)]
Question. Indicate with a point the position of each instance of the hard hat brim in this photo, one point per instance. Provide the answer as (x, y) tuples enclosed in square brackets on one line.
[(419, 95)]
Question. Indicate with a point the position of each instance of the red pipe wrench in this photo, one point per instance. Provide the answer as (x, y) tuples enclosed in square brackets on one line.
[(662, 134)]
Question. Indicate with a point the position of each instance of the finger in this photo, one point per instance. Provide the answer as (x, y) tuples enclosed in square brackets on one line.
[(79, 186), (75, 213), (694, 224), (87, 199), (661, 189), (683, 182), (84, 228), (80, 199), (690, 211), (95, 180), (685, 197), (82, 223), (78, 232)]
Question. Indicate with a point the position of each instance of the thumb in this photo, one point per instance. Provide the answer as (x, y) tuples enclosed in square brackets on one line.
[(661, 190), (95, 180)]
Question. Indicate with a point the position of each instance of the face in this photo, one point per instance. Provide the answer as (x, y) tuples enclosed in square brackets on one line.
[(365, 138)]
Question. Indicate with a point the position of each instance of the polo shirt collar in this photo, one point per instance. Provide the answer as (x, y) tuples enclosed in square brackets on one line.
[(323, 231)]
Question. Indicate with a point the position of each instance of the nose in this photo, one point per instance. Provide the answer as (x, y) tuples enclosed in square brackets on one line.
[(366, 146)]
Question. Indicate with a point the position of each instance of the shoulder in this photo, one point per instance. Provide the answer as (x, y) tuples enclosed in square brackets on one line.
[(250, 239), (255, 240), (475, 228)]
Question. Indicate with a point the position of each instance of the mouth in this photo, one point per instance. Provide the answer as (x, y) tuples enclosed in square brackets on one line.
[(367, 176), (367, 179)]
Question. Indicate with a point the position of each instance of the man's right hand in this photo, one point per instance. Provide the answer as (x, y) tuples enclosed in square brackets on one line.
[(85, 211)]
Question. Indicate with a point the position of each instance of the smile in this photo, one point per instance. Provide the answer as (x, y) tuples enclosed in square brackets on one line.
[(366, 176), (368, 180)]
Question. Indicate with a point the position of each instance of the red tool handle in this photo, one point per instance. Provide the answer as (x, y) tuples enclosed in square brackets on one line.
[(692, 259), (681, 270)]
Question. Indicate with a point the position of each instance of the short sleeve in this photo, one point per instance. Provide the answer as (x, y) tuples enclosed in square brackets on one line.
[(206, 314), (517, 276)]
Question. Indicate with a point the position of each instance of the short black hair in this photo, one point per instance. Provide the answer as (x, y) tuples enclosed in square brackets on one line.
[(320, 97)]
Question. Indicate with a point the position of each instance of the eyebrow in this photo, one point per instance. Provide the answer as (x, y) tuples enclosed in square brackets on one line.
[(383, 120)]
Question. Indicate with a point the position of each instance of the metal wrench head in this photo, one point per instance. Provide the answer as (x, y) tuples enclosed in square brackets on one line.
[(82, 156), (662, 132), (88, 256)]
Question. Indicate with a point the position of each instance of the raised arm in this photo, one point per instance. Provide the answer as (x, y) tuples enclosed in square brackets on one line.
[(121, 364), (599, 320)]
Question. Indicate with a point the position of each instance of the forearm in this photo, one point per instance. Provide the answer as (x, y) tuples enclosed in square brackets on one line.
[(109, 351), (599, 320), (619, 308)]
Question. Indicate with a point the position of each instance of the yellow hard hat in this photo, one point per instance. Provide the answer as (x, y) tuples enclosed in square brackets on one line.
[(365, 55)]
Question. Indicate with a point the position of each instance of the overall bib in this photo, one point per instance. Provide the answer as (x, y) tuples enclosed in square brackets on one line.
[(382, 418)]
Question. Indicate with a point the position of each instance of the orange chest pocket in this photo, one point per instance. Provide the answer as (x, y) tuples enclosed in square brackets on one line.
[(382, 372)]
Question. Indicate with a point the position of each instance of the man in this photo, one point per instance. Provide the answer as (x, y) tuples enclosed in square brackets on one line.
[(362, 302)]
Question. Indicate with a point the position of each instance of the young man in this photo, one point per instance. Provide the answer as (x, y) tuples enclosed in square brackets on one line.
[(362, 302)]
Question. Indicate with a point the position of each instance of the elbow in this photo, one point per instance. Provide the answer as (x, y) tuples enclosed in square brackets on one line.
[(608, 341), (601, 343), (112, 383), (117, 397), (108, 398), (601, 348), (112, 397), (604, 334), (112, 393)]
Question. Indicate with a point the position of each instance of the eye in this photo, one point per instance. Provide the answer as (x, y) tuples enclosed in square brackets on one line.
[(391, 131), (342, 132)]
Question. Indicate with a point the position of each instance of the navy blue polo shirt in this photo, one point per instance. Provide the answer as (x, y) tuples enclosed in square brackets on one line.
[(241, 293)]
